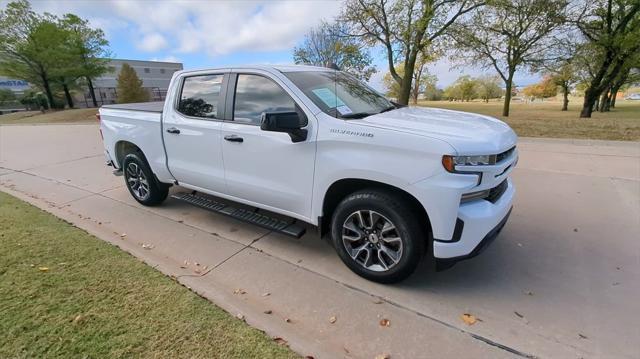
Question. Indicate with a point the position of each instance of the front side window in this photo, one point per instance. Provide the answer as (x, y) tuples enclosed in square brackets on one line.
[(200, 95), (339, 94), (256, 94)]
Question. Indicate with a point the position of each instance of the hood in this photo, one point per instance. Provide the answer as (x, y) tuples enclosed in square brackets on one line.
[(468, 133)]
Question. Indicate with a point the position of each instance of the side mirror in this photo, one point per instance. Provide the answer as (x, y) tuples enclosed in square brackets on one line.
[(290, 122)]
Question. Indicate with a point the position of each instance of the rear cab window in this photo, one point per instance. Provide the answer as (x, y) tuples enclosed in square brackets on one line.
[(200, 96)]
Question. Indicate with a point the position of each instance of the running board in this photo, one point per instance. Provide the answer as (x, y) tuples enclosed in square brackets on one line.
[(274, 224)]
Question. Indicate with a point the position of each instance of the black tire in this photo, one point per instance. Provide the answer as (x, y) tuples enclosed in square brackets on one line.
[(392, 208), (136, 170)]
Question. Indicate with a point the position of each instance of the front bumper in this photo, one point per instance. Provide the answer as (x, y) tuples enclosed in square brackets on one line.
[(444, 263), (475, 222)]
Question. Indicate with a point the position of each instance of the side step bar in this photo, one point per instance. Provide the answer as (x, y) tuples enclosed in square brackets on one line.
[(274, 224)]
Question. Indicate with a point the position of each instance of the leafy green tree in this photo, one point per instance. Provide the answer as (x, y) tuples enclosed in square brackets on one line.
[(6, 96), (611, 29), (130, 86), (508, 35), (404, 29), (463, 89), (30, 46), (488, 87), (326, 45), (88, 49)]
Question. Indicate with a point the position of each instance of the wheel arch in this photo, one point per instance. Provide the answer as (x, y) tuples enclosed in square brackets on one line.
[(339, 189), (123, 148)]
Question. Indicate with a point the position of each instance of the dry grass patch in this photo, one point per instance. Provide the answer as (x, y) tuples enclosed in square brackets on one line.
[(544, 119), (82, 115)]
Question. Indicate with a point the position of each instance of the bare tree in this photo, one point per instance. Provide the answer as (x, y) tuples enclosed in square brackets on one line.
[(508, 35), (404, 28), (327, 44)]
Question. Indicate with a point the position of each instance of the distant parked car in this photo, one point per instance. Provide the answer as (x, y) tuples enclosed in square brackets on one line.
[(633, 96)]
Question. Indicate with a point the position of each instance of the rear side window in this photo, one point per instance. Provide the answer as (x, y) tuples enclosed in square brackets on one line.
[(200, 96), (256, 94)]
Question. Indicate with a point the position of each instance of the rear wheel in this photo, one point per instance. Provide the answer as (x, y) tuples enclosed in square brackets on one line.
[(377, 236), (141, 182)]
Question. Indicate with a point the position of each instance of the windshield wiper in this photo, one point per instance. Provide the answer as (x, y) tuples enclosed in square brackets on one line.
[(388, 109), (355, 115)]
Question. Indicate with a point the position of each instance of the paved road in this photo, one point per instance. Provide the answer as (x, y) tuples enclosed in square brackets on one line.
[(562, 280)]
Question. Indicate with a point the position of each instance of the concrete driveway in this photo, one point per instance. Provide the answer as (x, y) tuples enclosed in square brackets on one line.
[(561, 281)]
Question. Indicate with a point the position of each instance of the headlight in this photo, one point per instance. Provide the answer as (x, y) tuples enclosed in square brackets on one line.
[(450, 162)]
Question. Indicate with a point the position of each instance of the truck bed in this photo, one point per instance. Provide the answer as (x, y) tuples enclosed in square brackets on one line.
[(138, 106)]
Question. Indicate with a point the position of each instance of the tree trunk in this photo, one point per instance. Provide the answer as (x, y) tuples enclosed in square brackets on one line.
[(507, 95), (613, 100), (47, 90), (67, 94), (416, 87), (590, 98), (92, 92), (603, 100), (565, 96)]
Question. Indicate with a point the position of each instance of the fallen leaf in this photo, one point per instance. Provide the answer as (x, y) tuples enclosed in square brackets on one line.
[(43, 269), (518, 314), (287, 320), (575, 229), (616, 283), (469, 319), (385, 322), (240, 316), (308, 357), (239, 291), (147, 246), (280, 341), (528, 292), (383, 356), (378, 301), (268, 311), (333, 319), (123, 235), (197, 264), (346, 350), (32, 265), (266, 294), (197, 271), (78, 318), (582, 336)]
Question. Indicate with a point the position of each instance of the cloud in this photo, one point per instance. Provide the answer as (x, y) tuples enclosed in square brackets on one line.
[(169, 58), (211, 27), (152, 42)]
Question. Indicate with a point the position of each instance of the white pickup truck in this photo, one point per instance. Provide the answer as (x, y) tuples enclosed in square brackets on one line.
[(390, 184)]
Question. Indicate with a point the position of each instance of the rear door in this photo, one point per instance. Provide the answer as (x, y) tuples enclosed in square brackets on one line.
[(266, 168), (192, 131)]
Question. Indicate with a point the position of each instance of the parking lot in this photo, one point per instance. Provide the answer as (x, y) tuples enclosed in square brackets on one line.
[(561, 281)]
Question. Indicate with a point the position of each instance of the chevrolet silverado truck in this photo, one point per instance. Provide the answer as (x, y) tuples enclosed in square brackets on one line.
[(279, 145)]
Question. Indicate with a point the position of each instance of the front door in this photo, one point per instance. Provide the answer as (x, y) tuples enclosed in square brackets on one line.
[(192, 132), (266, 168)]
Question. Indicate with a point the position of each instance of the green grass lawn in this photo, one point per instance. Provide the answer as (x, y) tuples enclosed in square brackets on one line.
[(82, 115), (544, 119), (96, 301)]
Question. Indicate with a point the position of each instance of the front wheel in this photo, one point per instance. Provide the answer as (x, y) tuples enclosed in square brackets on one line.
[(377, 236), (141, 182)]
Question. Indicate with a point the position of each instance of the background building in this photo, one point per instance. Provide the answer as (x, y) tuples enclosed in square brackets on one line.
[(155, 76)]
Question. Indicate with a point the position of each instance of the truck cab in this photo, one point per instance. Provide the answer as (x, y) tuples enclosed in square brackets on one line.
[(387, 183)]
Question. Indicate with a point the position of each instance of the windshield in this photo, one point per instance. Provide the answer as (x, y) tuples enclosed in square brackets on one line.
[(339, 94)]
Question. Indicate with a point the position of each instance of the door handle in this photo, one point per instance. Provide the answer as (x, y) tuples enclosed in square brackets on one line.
[(233, 138), (173, 130)]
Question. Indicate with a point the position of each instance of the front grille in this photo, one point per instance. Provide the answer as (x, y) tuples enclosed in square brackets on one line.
[(505, 154), (496, 192)]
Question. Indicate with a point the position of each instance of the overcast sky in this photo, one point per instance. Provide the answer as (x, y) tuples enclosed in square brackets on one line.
[(204, 34)]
